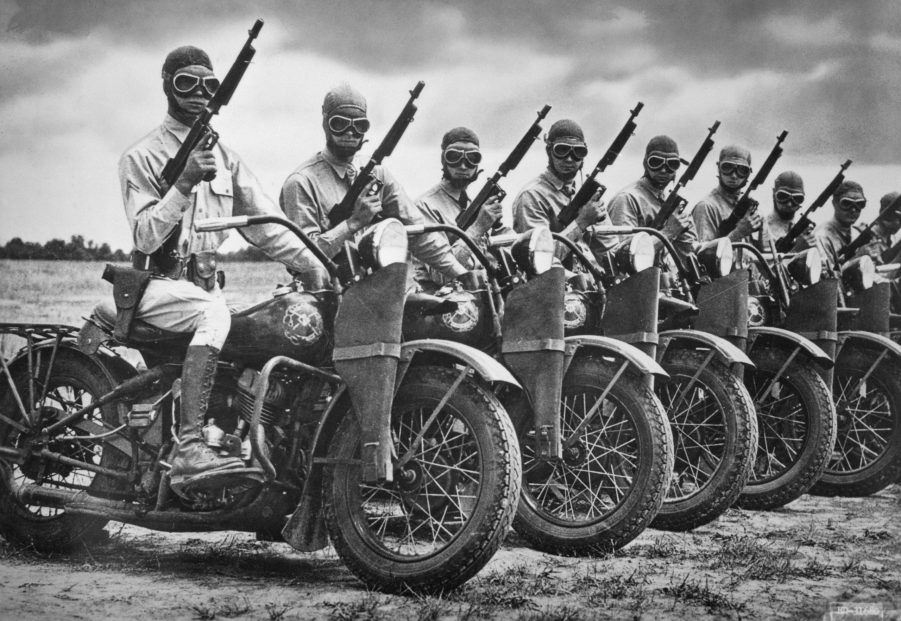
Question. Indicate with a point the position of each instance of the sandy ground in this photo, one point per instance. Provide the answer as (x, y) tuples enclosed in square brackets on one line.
[(792, 563)]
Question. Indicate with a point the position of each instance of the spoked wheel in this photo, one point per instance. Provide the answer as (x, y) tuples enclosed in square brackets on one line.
[(455, 486), (714, 438), (866, 388), (617, 460), (73, 384), (796, 424)]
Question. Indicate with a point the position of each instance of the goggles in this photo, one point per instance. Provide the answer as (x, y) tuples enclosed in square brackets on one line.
[(656, 162), (784, 196), (847, 204), (338, 124), (186, 83), (455, 157), (739, 170), (563, 150)]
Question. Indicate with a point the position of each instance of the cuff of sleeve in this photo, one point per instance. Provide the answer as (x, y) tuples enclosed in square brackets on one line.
[(337, 235)]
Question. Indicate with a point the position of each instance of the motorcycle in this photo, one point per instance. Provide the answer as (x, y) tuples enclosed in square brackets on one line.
[(596, 447), (710, 411), (400, 454)]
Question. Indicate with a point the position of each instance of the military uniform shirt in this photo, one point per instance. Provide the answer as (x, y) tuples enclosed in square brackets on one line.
[(710, 212), (776, 226), (319, 184), (638, 204), (153, 211), (540, 202), (831, 238)]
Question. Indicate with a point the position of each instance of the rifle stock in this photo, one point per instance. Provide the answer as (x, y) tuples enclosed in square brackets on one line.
[(674, 201), (365, 177), (744, 204), (788, 242), (591, 186), (492, 188)]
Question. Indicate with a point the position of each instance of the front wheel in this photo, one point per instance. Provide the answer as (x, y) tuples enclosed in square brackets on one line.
[(866, 388), (714, 438), (456, 481), (617, 461), (796, 421)]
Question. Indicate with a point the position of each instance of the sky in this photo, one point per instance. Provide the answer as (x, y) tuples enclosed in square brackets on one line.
[(80, 82)]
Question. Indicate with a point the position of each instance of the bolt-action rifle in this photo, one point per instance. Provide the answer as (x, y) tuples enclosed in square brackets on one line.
[(787, 243), (591, 186), (674, 201), (202, 136), (365, 177), (746, 203), (491, 187)]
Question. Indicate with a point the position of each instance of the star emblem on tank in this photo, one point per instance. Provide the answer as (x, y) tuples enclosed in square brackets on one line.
[(464, 319), (574, 311), (303, 324)]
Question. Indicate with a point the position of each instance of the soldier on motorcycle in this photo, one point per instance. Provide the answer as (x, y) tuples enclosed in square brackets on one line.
[(187, 297)]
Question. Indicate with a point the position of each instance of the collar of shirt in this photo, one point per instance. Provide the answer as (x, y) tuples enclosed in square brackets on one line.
[(648, 187), (450, 190), (339, 166), (556, 182), (729, 197), (176, 127)]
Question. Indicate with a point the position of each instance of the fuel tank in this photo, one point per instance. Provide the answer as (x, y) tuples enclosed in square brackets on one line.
[(299, 325), (470, 324)]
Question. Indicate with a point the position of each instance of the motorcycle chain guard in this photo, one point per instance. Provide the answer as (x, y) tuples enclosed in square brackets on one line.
[(533, 349), (367, 349)]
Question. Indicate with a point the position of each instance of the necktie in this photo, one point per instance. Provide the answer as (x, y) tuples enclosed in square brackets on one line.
[(463, 201), (569, 189), (351, 174)]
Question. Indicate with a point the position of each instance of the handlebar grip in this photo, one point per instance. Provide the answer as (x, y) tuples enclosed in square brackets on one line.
[(220, 224), (504, 239)]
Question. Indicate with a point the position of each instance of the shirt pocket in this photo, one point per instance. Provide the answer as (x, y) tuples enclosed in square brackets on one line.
[(221, 192)]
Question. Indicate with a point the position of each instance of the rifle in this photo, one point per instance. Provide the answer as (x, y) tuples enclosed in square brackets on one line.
[(166, 257), (201, 133), (590, 186), (746, 203), (365, 177), (674, 201), (866, 235), (787, 243), (491, 187)]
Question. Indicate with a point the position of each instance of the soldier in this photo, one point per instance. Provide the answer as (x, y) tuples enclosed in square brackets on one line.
[(316, 186), (638, 203), (733, 171), (788, 196), (460, 159), (541, 200), (831, 236), (187, 298), (887, 223)]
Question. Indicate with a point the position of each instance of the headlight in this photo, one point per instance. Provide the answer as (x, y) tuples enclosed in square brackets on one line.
[(383, 244), (717, 257), (756, 313), (634, 255), (860, 273), (807, 267), (534, 251)]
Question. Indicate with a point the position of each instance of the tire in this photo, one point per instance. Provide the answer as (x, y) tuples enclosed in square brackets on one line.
[(611, 483), (455, 534), (73, 380), (867, 454), (796, 424), (701, 490)]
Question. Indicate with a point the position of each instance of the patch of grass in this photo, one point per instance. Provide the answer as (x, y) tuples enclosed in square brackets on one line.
[(365, 609), (663, 547), (276, 611), (692, 591), (558, 613), (224, 609)]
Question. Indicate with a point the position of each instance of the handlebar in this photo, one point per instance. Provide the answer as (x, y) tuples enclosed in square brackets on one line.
[(418, 229), (613, 229)]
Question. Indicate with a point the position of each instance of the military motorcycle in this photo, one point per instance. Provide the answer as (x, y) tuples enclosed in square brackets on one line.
[(400, 454), (866, 388), (710, 411), (791, 338), (595, 443)]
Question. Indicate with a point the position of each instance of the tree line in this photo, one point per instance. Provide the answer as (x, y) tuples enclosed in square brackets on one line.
[(77, 249)]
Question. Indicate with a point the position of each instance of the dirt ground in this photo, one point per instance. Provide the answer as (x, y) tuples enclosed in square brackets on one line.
[(791, 564)]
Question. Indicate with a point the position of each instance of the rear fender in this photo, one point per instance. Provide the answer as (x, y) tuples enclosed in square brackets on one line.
[(724, 350), (778, 337)]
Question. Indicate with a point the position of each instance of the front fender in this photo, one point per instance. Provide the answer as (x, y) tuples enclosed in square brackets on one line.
[(643, 362), (487, 367), (695, 338), (789, 339), (868, 339)]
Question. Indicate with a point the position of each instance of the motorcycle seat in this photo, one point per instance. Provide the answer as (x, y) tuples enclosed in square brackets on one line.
[(142, 333)]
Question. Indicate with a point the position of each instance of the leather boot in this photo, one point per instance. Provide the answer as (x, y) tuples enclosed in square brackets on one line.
[(195, 464)]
